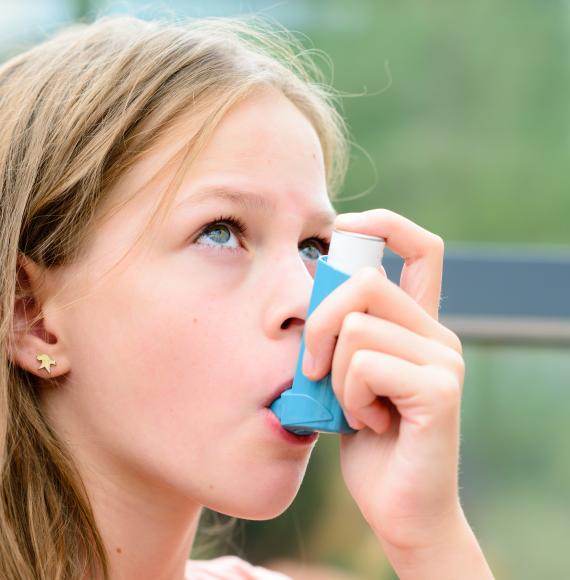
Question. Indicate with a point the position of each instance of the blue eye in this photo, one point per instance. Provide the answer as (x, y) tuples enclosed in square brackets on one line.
[(322, 243), (221, 229)]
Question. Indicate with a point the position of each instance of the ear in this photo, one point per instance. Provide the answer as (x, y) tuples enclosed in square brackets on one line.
[(35, 344)]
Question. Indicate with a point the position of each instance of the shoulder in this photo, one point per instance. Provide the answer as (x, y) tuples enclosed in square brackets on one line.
[(230, 568)]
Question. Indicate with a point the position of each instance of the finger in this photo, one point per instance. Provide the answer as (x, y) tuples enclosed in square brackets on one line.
[(375, 416), (364, 332), (421, 250), (422, 395), (370, 292)]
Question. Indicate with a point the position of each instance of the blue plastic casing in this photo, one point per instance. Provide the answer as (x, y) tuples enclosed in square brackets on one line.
[(308, 405)]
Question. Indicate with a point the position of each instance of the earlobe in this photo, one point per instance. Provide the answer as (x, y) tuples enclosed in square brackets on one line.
[(42, 362), (46, 361), (33, 347)]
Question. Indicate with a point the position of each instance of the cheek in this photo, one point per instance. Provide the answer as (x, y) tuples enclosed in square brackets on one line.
[(171, 396), (170, 351)]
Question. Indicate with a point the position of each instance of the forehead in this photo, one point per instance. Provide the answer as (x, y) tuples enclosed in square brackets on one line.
[(264, 134), (265, 126), (266, 147)]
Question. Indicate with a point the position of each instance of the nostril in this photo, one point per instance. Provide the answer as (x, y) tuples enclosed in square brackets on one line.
[(292, 320)]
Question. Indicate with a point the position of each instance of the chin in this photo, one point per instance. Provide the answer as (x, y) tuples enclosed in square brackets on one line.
[(261, 509), (260, 498)]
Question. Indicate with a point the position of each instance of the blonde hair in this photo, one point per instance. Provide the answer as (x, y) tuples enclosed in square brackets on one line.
[(76, 111)]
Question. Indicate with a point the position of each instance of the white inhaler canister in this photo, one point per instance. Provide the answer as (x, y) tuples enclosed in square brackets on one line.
[(309, 405)]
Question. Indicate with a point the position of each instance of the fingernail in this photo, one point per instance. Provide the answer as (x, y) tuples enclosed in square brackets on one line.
[(309, 363)]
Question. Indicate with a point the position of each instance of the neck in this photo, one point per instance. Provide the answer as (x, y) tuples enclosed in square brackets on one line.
[(148, 532)]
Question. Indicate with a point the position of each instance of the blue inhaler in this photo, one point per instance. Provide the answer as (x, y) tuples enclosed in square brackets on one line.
[(311, 405)]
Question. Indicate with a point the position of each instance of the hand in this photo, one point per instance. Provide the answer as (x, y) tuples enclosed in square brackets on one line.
[(398, 374)]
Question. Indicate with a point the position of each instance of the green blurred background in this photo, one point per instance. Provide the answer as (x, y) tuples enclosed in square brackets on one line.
[(463, 125)]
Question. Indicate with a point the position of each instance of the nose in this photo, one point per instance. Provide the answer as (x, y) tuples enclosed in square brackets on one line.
[(287, 297)]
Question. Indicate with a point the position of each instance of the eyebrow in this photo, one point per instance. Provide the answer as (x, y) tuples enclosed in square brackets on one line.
[(249, 200)]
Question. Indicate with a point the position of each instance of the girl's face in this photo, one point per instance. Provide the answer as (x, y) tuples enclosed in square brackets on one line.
[(176, 354)]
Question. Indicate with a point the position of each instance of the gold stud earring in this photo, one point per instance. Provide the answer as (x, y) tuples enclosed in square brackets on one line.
[(46, 362)]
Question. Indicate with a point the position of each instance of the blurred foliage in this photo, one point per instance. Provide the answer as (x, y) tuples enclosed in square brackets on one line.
[(464, 127), (470, 131)]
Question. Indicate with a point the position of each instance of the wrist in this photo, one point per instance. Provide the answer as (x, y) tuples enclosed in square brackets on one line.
[(452, 552)]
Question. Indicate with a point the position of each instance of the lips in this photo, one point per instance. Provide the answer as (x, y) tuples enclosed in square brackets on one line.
[(278, 391)]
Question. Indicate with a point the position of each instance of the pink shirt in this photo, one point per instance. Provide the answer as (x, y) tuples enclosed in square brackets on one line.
[(229, 568)]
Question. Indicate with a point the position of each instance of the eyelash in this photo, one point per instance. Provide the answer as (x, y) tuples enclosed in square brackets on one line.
[(239, 226)]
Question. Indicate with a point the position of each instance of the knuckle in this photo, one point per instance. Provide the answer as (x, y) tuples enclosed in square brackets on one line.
[(369, 279), (453, 341), (352, 324), (453, 359), (358, 364), (458, 363), (448, 389), (368, 275), (457, 345)]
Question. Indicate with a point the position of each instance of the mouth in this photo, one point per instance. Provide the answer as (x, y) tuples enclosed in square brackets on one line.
[(278, 392), (275, 424), (287, 436)]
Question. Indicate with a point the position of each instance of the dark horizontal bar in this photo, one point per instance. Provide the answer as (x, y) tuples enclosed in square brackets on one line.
[(503, 292)]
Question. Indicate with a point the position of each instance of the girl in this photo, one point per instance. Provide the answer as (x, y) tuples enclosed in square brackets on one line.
[(166, 190)]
